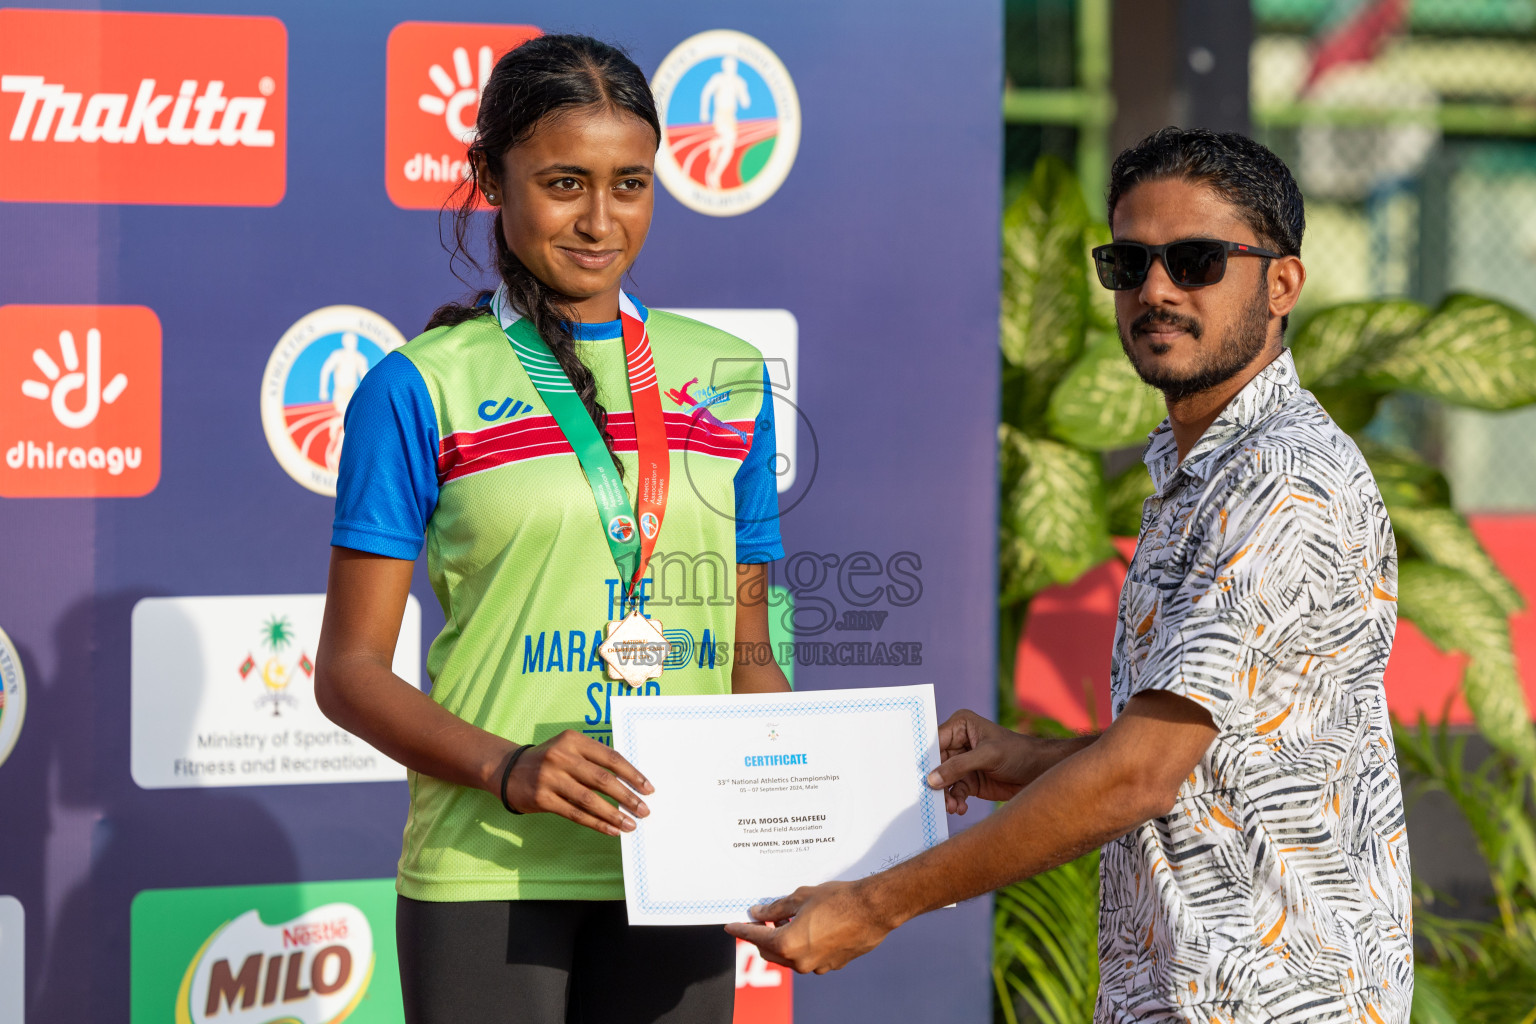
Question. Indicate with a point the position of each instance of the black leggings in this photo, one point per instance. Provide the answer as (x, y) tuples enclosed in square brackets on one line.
[(558, 962)]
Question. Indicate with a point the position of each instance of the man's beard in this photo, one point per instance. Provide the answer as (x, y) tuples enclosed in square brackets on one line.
[(1239, 348)]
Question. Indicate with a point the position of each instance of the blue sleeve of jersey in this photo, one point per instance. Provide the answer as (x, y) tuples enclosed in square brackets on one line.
[(386, 488), (757, 491)]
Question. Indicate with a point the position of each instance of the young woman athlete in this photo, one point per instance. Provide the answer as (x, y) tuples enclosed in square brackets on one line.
[(526, 442)]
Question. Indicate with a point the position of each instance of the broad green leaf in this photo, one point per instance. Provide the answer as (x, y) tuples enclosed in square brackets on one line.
[(1055, 510), (1405, 480), (1457, 614), (1473, 351), (1441, 536), (1497, 700), (1101, 301), (1433, 998), (1101, 404), (1124, 497), (1012, 457), (1451, 608), (1342, 341), (1418, 499), (1352, 408), (1044, 300), (1021, 572)]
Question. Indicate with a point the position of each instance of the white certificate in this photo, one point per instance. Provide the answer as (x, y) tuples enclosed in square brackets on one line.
[(759, 794)]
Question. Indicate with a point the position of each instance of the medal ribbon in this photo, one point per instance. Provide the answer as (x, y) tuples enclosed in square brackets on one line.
[(628, 541)]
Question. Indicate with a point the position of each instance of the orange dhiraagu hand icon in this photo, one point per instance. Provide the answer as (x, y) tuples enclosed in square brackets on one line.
[(79, 401), (434, 73)]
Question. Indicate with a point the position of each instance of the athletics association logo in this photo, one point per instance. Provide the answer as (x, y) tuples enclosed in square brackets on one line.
[(79, 401), (649, 525), (13, 696), (731, 122), (434, 73), (621, 528), (116, 107), (312, 375)]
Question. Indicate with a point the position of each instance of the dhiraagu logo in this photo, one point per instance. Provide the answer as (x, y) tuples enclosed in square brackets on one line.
[(311, 953)]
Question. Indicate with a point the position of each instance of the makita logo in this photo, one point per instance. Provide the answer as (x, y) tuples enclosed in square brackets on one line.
[(116, 107), (193, 116)]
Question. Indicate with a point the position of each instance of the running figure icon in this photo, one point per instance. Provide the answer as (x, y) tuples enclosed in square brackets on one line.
[(699, 410), (728, 90), (340, 375)]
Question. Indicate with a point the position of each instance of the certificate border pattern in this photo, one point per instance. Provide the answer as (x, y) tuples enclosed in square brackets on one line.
[(914, 705)]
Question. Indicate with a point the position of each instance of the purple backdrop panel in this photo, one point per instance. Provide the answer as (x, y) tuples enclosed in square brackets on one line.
[(881, 241)]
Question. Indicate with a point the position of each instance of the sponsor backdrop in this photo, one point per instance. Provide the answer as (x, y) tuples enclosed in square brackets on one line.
[(216, 219)]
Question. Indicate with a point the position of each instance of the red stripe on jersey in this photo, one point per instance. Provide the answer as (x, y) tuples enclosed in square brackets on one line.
[(535, 437)]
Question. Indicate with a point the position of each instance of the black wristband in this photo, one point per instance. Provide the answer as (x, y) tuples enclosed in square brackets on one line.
[(506, 773)]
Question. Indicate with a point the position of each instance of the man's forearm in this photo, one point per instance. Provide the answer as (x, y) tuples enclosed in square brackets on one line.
[(1048, 753), (1077, 804)]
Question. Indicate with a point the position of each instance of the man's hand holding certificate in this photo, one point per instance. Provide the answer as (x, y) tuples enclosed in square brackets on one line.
[(758, 794)]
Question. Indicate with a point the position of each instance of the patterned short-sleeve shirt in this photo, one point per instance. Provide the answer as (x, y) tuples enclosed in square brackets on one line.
[(1263, 588)]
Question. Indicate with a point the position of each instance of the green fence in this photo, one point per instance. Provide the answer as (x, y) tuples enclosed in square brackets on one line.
[(1419, 169)]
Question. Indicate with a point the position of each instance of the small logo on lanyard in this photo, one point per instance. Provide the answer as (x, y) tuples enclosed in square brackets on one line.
[(649, 525)]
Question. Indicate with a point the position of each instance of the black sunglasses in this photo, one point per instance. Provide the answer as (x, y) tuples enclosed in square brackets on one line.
[(1191, 262)]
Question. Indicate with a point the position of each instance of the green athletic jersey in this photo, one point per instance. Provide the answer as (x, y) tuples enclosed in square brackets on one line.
[(448, 444)]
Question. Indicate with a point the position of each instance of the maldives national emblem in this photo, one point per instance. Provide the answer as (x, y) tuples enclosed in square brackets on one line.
[(730, 122), (277, 635)]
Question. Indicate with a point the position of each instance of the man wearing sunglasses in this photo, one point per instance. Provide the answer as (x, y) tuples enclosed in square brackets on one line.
[(1254, 860)]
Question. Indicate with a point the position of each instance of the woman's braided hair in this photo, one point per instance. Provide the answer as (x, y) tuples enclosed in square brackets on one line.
[(538, 79)]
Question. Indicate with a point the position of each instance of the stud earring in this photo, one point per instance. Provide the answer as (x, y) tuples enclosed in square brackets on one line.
[(490, 197)]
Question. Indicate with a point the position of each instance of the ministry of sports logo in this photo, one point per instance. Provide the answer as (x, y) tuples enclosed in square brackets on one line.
[(13, 696), (221, 693), (312, 375), (731, 122)]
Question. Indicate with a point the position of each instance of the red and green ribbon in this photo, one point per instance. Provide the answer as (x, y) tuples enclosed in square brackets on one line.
[(631, 540)]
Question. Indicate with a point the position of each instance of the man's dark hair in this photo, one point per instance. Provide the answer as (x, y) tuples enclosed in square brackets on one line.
[(1241, 171)]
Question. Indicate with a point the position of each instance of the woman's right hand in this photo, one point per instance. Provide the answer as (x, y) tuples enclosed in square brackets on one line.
[(564, 775)]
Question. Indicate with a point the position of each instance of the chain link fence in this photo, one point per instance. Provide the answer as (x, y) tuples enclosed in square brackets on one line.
[(1419, 168)]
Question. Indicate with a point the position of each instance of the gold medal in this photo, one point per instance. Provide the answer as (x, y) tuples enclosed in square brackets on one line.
[(634, 649)]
